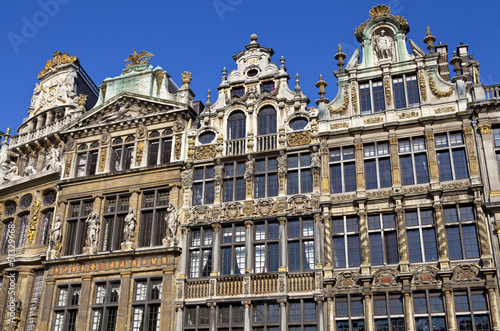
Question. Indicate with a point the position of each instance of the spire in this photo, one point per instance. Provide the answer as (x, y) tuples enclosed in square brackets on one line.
[(297, 87)]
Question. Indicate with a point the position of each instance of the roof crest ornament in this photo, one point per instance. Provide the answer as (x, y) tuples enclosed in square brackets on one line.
[(377, 12), (57, 59), (138, 59)]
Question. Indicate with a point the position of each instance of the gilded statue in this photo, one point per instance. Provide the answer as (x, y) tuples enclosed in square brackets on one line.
[(136, 59)]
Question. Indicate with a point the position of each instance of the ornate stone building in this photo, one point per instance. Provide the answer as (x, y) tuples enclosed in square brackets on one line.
[(373, 211)]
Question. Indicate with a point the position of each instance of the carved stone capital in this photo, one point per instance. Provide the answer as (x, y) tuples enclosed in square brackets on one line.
[(317, 217), (246, 303), (485, 128), (216, 227), (248, 224), (185, 230), (212, 305), (282, 220), (282, 302)]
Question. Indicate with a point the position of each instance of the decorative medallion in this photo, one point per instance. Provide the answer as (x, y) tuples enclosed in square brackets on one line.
[(200, 215), (265, 207), (425, 276), (465, 273), (232, 211), (299, 138), (71, 144), (299, 204), (179, 125), (347, 280), (205, 152), (385, 278), (140, 132), (105, 138)]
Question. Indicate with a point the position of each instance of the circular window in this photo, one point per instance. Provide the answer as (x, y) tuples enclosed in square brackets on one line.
[(298, 123), (49, 198), (252, 72), (10, 208), (206, 137), (26, 201)]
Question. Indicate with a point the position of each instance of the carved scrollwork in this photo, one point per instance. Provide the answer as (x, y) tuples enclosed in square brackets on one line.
[(435, 90), (300, 138), (347, 280), (265, 207), (299, 204), (205, 152), (201, 214), (425, 276), (343, 197), (344, 105), (339, 125), (378, 194), (385, 278), (465, 273), (232, 211), (448, 109)]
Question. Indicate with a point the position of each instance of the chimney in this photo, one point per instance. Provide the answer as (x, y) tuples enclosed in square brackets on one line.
[(463, 54), (444, 69)]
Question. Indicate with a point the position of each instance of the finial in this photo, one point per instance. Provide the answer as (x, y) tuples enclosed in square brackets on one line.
[(186, 78), (254, 38), (224, 73), (208, 103), (321, 84), (456, 62), (340, 56), (297, 87), (282, 61), (429, 40), (7, 133)]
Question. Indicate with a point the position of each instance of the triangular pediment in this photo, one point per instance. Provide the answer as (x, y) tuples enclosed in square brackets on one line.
[(126, 107)]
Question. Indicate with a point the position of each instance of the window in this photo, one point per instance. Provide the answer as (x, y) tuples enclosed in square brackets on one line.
[(146, 304), (197, 318), (388, 311), (36, 293), (496, 136), (25, 201), (77, 228), (200, 264), (67, 306), (413, 159), (105, 307), (383, 239), (234, 181), (342, 170), (46, 224), (115, 209), (377, 166), (266, 121), (10, 208), (461, 232), (346, 249), (206, 137), (298, 123), (302, 315), (22, 230), (160, 149), (349, 313), (405, 89), (153, 225), (86, 164), (236, 125), (472, 310), (265, 317), (266, 177), (267, 87), (238, 91), (233, 250), (49, 197), (429, 311), (450, 150), (230, 318), (8, 233), (371, 97), (299, 173), (300, 244), (266, 247), (203, 185), (421, 235), (122, 154)]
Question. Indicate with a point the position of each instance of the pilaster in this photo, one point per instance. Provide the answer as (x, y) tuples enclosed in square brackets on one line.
[(124, 300), (248, 247), (360, 165), (431, 158), (283, 249), (85, 302), (216, 250), (472, 162), (395, 166), (442, 242)]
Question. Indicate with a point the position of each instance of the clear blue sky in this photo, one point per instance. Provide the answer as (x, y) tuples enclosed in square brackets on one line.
[(201, 36)]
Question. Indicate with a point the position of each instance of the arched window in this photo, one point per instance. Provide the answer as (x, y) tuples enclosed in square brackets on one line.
[(266, 121), (236, 126)]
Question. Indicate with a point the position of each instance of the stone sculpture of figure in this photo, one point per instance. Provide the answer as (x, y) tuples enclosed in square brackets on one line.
[(249, 167), (55, 235), (93, 229), (130, 223), (29, 169), (53, 159), (282, 163), (19, 307), (188, 175), (4, 154), (384, 46), (315, 158), (218, 169), (473, 64), (171, 220)]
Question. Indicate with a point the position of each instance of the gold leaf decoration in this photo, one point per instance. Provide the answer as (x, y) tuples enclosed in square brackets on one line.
[(339, 125), (205, 152), (344, 105), (423, 87), (388, 95), (299, 138), (435, 90)]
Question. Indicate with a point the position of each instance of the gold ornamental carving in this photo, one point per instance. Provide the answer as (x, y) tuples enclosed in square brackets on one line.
[(410, 114), (138, 59), (339, 125), (58, 59), (159, 75), (387, 87), (67, 168), (265, 208), (177, 148), (232, 211), (299, 138), (423, 86), (449, 109), (436, 91), (186, 78), (374, 120), (344, 105), (102, 161), (140, 149), (205, 152), (354, 97), (381, 11), (34, 221), (485, 128)]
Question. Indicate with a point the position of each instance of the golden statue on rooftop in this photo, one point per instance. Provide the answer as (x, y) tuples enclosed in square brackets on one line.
[(136, 59)]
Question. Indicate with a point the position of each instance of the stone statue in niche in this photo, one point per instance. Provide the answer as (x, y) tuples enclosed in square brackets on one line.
[(129, 229), (93, 230), (383, 46), (171, 219), (249, 167), (29, 170), (53, 159), (55, 235)]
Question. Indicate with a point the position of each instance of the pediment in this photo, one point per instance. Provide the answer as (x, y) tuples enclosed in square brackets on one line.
[(125, 107)]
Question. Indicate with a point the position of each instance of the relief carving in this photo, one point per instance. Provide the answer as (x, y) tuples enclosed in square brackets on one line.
[(299, 138), (347, 280), (205, 152), (465, 273), (385, 278), (425, 276)]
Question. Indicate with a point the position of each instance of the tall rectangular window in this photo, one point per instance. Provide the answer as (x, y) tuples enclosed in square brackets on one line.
[(230, 317), (421, 235), (388, 311), (377, 165), (35, 297), (153, 227), (203, 185), (105, 307), (405, 89), (197, 318), (429, 311), (452, 161), (413, 159), (342, 170), (86, 164), (299, 173), (266, 247), (233, 249), (22, 230), (146, 304), (300, 244), (383, 239), (371, 95), (461, 232), (266, 177), (302, 315), (67, 306), (265, 316), (472, 310), (115, 210), (346, 249), (160, 148), (77, 227), (200, 263), (234, 181), (349, 313)]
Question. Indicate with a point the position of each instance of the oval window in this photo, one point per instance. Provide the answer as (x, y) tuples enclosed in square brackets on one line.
[(206, 137), (252, 72), (49, 198), (298, 123), (10, 208), (26, 201)]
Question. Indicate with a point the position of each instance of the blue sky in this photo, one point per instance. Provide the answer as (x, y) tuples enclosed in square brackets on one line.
[(201, 36)]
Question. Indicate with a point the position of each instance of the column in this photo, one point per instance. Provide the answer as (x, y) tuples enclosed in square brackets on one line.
[(248, 247), (46, 307), (408, 309), (124, 300), (470, 146), (494, 313), (216, 250), (442, 242), (283, 243), (449, 301), (247, 319), (180, 317), (328, 249), (368, 302), (404, 261), (213, 316), (330, 307), (482, 231), (318, 240), (395, 166), (431, 156), (320, 312), (250, 133), (85, 302), (185, 252), (283, 315), (360, 165), (364, 240), (167, 307)]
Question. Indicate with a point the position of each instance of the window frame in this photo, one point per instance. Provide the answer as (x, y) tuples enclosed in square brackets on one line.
[(409, 152), (447, 173), (346, 252), (304, 322), (113, 221), (87, 157), (106, 306), (390, 316), (406, 88), (303, 172), (304, 241), (269, 243), (205, 184), (350, 317), (234, 182), (77, 227), (198, 250), (461, 223), (388, 236), (122, 154), (344, 160), (381, 153), (374, 90), (430, 314), (147, 304), (236, 248), (421, 229), (156, 205), (69, 309), (268, 176), (471, 312), (164, 152)]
